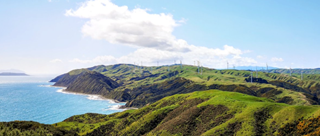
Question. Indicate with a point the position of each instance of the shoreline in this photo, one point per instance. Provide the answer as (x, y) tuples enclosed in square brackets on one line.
[(90, 96), (93, 97)]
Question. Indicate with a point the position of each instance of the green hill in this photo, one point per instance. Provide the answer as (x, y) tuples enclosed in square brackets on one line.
[(29, 128), (144, 85), (211, 112), (295, 71), (185, 100)]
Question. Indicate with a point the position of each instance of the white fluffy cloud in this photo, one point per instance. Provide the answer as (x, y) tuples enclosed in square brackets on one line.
[(151, 33), (137, 27), (275, 59)]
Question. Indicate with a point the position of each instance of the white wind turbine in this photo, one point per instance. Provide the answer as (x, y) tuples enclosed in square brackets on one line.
[(227, 65)]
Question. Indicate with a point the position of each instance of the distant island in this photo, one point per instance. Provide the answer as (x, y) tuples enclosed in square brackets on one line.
[(12, 74)]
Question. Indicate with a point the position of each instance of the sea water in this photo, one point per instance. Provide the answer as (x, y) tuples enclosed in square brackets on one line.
[(34, 99)]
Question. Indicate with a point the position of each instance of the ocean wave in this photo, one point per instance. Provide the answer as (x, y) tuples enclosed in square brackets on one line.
[(95, 97), (60, 91), (45, 86), (113, 107), (52, 86)]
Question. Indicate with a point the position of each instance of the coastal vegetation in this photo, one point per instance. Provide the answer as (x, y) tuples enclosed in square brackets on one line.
[(29, 128), (139, 86), (211, 112), (187, 100)]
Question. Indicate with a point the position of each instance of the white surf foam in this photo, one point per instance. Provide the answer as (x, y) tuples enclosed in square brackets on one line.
[(95, 97), (115, 107), (89, 96), (45, 86), (60, 90)]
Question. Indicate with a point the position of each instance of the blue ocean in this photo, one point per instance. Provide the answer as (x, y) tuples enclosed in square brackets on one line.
[(32, 98)]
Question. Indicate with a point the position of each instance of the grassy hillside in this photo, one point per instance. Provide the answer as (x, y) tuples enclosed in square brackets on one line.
[(296, 71), (184, 100), (29, 128), (211, 112), (168, 79)]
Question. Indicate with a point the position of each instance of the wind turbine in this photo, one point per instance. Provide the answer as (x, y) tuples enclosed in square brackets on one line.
[(301, 75), (180, 64), (227, 65), (267, 67), (290, 71)]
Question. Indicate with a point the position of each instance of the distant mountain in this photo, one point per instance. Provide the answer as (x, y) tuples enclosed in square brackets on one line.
[(11, 71), (12, 74)]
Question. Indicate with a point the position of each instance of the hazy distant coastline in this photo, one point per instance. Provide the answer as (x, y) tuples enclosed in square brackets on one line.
[(12, 74)]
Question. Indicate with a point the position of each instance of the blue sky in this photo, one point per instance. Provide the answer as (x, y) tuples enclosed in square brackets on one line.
[(42, 37)]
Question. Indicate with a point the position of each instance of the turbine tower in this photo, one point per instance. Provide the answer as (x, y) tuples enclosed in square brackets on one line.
[(180, 64), (227, 65), (290, 71), (267, 67), (301, 75)]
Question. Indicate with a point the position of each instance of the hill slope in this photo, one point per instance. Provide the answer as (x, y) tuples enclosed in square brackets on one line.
[(141, 85), (185, 100), (29, 128), (211, 112), (92, 82)]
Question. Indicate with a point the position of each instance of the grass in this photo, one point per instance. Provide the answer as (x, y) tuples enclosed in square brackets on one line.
[(254, 115), (243, 108), (130, 79), (209, 76)]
